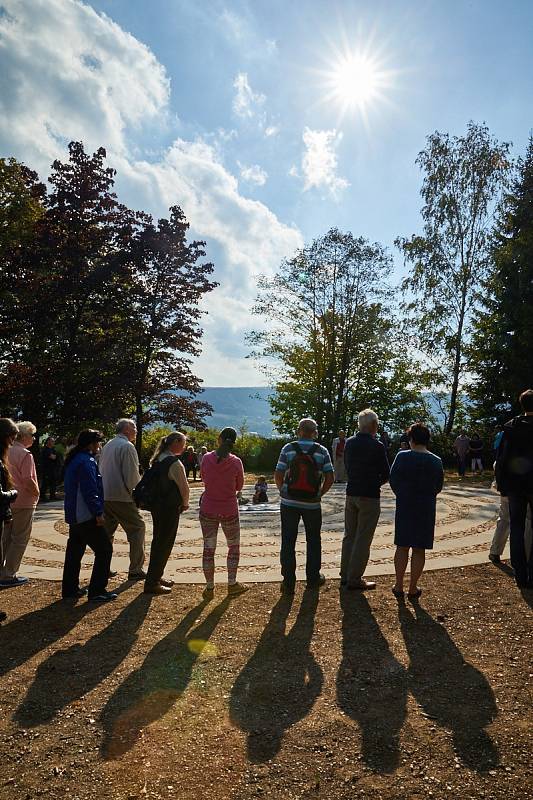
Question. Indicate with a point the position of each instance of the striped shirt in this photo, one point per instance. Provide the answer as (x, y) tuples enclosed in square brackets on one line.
[(322, 460)]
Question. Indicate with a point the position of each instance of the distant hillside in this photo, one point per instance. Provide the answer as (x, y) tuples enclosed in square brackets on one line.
[(232, 405)]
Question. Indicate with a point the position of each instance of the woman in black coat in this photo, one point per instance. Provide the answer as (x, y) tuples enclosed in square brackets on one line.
[(8, 432), (416, 478)]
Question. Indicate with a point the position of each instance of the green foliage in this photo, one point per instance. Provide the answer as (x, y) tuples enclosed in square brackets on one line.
[(463, 179), (501, 355), (150, 440)]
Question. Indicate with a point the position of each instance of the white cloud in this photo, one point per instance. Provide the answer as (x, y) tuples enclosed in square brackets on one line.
[(319, 161), (272, 130), (253, 174), (246, 102), (103, 86)]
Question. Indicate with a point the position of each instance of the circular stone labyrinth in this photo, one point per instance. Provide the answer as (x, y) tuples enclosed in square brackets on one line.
[(466, 517)]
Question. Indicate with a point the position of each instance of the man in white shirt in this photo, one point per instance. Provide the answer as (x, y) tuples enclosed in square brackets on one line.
[(119, 467)]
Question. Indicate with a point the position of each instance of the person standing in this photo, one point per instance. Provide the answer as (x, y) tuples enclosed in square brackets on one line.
[(304, 473), (8, 432), (476, 451), (201, 454), (49, 467), (84, 513), (368, 469), (171, 498), (337, 453), (501, 532), (514, 479), (119, 466), (190, 462), (416, 478), (223, 477), (462, 448), (17, 531)]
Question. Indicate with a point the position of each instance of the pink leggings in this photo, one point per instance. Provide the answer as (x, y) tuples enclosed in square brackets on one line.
[(232, 531)]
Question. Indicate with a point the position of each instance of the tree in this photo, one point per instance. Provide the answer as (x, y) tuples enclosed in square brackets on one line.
[(502, 345), (333, 349), (164, 322), (21, 205), (463, 180)]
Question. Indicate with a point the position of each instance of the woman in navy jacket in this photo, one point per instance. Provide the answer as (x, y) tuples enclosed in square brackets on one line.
[(84, 512)]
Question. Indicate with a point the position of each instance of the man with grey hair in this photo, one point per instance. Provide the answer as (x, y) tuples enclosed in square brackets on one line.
[(119, 467), (17, 531), (368, 469), (304, 473)]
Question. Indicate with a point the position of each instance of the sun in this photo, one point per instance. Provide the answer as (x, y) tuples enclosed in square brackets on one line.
[(355, 81)]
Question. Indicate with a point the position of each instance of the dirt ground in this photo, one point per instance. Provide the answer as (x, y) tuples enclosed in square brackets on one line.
[(324, 695)]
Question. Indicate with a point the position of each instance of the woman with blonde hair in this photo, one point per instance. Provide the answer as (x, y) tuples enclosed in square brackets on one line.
[(223, 477), (8, 432), (171, 497)]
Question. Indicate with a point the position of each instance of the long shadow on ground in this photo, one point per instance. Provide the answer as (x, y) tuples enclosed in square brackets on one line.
[(26, 636), (72, 673), (149, 692), (281, 681), (449, 689), (371, 684)]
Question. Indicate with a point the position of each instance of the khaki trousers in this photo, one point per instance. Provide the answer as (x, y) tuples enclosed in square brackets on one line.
[(340, 470), (15, 538), (361, 515), (127, 515)]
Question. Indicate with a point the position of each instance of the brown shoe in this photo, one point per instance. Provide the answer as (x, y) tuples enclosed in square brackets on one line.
[(362, 586), (235, 589), (165, 582), (158, 589)]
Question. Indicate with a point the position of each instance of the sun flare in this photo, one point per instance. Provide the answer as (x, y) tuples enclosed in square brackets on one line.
[(356, 81)]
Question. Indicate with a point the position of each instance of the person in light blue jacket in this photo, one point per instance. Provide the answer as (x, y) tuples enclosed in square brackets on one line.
[(84, 512)]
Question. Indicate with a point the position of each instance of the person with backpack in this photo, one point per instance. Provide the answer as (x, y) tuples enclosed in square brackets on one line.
[(84, 513), (223, 477), (169, 496), (304, 473), (368, 469)]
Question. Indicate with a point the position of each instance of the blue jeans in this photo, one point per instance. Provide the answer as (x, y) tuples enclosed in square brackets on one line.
[(290, 519), (523, 569)]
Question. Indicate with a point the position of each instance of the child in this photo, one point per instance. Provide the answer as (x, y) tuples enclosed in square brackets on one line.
[(260, 494)]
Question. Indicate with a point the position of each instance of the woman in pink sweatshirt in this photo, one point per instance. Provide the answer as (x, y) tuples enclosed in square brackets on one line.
[(223, 476)]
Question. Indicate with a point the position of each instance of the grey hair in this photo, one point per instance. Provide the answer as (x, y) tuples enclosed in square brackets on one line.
[(307, 425), (25, 429), (366, 418), (123, 423)]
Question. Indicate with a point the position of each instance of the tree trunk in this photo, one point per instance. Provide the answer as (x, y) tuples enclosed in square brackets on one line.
[(456, 365), (139, 420)]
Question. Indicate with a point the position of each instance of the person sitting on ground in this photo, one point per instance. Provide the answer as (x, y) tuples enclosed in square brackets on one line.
[(171, 499), (416, 478), (368, 469), (260, 491), (17, 531), (8, 432), (84, 512), (514, 479), (119, 466), (476, 451), (304, 473), (50, 469), (223, 476)]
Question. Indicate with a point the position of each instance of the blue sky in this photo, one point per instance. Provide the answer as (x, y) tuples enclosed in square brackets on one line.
[(226, 108)]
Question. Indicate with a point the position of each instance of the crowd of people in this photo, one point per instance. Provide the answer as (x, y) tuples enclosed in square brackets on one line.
[(102, 489)]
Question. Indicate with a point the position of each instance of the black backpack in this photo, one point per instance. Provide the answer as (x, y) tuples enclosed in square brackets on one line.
[(155, 485), (303, 475)]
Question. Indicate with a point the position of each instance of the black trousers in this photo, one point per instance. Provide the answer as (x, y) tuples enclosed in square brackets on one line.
[(166, 520), (49, 483), (290, 519), (87, 534), (523, 569)]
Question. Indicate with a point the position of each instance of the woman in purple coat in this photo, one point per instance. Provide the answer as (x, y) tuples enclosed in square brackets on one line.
[(416, 478)]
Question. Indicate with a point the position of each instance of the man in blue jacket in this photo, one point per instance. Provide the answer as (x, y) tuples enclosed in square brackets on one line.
[(84, 512)]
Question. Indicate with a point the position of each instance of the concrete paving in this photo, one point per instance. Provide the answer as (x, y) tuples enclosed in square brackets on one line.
[(466, 518)]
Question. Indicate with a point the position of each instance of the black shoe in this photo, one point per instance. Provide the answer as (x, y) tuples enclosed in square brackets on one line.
[(316, 584), (137, 576), (287, 588), (113, 573), (104, 597), (494, 558), (79, 593)]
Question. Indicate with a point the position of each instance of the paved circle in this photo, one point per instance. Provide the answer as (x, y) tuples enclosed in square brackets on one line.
[(465, 522)]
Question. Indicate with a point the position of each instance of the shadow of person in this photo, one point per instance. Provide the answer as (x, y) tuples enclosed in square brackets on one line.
[(280, 683), (371, 684), (449, 689), (72, 673), (150, 691), (27, 635)]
